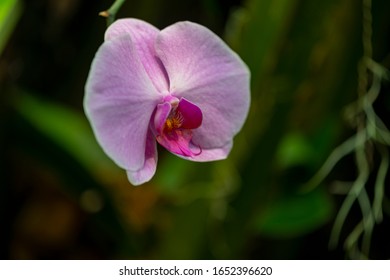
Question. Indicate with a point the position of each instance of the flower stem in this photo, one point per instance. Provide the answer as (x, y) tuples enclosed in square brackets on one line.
[(111, 12)]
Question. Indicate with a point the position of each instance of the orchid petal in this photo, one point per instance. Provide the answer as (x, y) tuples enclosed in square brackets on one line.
[(143, 36), (144, 174), (119, 101), (205, 71), (211, 154)]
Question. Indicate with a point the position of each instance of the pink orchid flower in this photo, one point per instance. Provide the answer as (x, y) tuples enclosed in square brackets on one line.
[(182, 87)]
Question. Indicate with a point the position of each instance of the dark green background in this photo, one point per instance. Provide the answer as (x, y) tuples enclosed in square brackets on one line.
[(62, 198)]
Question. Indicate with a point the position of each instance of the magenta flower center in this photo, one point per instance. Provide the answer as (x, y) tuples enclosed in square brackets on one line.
[(174, 122)]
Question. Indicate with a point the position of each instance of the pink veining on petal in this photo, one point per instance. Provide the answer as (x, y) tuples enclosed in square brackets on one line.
[(143, 36), (112, 89)]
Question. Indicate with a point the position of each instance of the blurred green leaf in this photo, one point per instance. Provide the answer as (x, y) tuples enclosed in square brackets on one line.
[(255, 31), (10, 11), (187, 232), (70, 131), (294, 149), (61, 140), (295, 215), (173, 172)]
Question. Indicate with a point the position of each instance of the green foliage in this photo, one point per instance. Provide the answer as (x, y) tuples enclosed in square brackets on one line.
[(10, 11), (68, 129), (294, 149), (59, 140), (295, 215)]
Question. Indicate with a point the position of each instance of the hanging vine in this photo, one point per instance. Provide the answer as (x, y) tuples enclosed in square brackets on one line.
[(371, 132)]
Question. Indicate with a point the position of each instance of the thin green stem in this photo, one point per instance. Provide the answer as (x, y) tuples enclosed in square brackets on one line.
[(380, 184), (347, 147), (356, 190), (110, 14)]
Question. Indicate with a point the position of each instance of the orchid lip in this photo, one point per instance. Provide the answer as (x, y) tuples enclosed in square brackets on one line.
[(174, 120)]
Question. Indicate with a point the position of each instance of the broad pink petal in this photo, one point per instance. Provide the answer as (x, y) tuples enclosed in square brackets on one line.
[(192, 115), (147, 171), (143, 36), (205, 71), (119, 101)]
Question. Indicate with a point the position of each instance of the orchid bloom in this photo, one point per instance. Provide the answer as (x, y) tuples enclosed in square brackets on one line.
[(182, 87)]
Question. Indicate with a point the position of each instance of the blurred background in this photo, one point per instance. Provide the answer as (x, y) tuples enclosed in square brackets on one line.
[(62, 198)]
